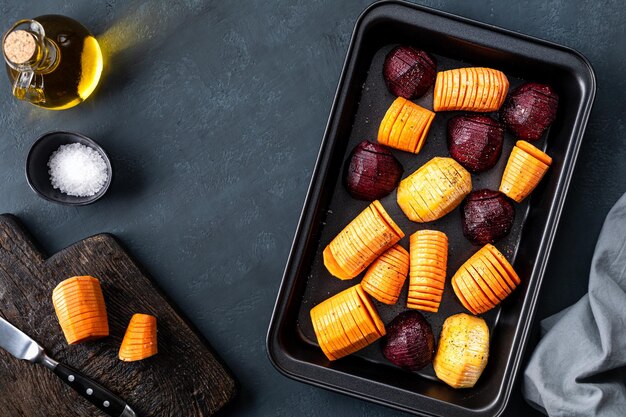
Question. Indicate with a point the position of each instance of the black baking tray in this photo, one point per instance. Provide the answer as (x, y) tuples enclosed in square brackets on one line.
[(360, 103)]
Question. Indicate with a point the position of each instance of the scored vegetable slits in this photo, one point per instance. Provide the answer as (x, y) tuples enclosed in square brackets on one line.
[(529, 110), (385, 277), (365, 238), (405, 126), (409, 72), (475, 141), (427, 276), (346, 323), (484, 280), (434, 190), (140, 340), (463, 350), (471, 89), (79, 306), (524, 170)]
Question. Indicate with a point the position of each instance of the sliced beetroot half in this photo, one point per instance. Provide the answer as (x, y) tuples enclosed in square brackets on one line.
[(529, 110), (487, 216), (409, 72), (410, 342), (372, 171), (475, 141)]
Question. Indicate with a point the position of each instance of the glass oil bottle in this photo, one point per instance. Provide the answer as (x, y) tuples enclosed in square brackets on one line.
[(53, 61)]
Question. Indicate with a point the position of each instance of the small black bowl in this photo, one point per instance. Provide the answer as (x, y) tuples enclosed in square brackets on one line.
[(37, 167)]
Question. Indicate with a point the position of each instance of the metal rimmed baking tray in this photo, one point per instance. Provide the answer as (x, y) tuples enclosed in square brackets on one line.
[(360, 103)]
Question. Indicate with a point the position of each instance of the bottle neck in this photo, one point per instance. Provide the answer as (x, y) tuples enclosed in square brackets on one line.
[(27, 49), (30, 55)]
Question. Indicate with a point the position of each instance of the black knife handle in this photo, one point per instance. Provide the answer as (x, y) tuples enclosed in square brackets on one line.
[(96, 394)]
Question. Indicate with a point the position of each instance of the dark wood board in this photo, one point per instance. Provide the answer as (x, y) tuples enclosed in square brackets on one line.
[(185, 379)]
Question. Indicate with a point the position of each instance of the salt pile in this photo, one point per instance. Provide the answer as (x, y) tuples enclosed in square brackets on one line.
[(77, 170)]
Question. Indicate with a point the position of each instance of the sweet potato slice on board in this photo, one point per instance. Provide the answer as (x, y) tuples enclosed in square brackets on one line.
[(80, 309), (140, 340)]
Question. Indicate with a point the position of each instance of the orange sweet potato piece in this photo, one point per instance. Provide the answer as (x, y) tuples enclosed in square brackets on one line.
[(140, 340), (346, 323), (370, 234), (389, 119), (409, 127), (385, 277), (80, 309), (524, 170), (472, 89), (429, 258), (484, 280)]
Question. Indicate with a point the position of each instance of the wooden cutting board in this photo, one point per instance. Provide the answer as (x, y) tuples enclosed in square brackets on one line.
[(185, 379)]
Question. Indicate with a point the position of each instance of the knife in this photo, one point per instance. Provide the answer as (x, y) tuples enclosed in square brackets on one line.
[(18, 344)]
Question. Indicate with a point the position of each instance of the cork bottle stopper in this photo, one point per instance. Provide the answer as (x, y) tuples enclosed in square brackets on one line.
[(19, 46)]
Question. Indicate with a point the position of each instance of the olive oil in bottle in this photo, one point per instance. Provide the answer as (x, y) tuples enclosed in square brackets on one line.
[(53, 61)]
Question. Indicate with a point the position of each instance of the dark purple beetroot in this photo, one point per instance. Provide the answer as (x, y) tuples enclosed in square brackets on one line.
[(373, 171), (410, 342), (487, 216), (475, 141), (529, 110), (409, 72)]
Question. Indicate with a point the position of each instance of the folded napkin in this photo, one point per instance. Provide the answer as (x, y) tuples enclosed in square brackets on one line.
[(579, 366)]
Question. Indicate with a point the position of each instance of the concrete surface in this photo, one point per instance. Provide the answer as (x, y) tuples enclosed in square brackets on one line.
[(213, 112)]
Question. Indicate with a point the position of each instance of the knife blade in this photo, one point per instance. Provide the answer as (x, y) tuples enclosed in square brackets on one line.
[(23, 347), (18, 344)]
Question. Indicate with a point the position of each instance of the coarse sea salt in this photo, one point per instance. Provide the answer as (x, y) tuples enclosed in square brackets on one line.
[(77, 170)]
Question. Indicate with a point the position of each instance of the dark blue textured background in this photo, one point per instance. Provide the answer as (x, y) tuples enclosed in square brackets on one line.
[(213, 112)]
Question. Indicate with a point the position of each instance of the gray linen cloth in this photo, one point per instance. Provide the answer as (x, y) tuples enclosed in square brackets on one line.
[(579, 366)]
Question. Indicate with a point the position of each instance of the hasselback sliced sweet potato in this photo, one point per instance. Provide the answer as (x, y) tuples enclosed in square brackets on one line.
[(463, 350), (405, 126), (434, 190), (394, 136), (524, 170), (471, 89), (484, 280), (364, 239), (140, 340), (346, 322), (384, 131), (80, 309), (427, 276), (385, 277)]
